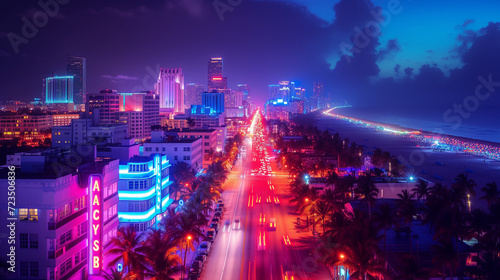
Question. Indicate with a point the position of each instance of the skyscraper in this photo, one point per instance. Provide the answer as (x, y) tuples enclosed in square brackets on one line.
[(318, 94), (214, 100), (244, 89), (193, 93), (170, 88), (77, 67), (215, 75), (58, 89)]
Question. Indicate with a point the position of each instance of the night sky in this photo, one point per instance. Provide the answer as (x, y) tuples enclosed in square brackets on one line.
[(428, 53)]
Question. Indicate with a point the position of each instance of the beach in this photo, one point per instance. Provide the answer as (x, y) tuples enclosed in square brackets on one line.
[(419, 157)]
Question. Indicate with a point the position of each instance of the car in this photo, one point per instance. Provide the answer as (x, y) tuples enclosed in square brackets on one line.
[(218, 214), (215, 226), (220, 201), (194, 273), (272, 224), (262, 219), (197, 265), (271, 187), (211, 234), (204, 248), (236, 224), (220, 205), (276, 200), (259, 199), (268, 199), (227, 225), (286, 240), (261, 241), (215, 220)]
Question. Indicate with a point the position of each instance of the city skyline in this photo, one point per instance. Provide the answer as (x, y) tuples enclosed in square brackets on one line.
[(392, 62)]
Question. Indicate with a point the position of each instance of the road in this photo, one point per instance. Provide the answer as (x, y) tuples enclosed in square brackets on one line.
[(235, 253)]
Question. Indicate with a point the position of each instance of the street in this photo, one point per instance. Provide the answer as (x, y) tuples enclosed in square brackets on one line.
[(255, 251)]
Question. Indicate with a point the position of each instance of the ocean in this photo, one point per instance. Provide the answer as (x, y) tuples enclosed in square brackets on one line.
[(483, 124)]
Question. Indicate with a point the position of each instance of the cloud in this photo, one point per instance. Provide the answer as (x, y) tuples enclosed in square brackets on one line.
[(119, 77), (390, 49), (466, 23), (397, 69), (408, 71)]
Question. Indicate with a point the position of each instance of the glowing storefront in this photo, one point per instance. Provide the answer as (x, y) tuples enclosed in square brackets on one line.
[(143, 191)]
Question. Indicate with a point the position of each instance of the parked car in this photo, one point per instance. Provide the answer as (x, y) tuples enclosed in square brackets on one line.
[(197, 265), (219, 201), (218, 214), (204, 248), (215, 226), (211, 235), (201, 258), (215, 220)]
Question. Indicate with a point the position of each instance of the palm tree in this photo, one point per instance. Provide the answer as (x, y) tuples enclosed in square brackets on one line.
[(161, 256), (421, 190), (465, 188), (191, 122), (127, 245), (338, 223), (322, 209), (118, 275), (189, 226), (406, 210), (367, 191), (491, 193)]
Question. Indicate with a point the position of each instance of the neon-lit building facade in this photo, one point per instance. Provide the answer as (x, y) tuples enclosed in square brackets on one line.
[(58, 89), (214, 100), (215, 78), (55, 216), (143, 191), (170, 88), (193, 93)]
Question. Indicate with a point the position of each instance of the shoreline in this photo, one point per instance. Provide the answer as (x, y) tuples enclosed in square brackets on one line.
[(424, 132)]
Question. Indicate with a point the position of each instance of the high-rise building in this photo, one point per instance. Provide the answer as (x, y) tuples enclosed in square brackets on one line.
[(244, 89), (103, 106), (214, 100), (193, 93), (280, 91), (77, 67), (170, 88), (214, 72), (59, 89), (318, 95), (140, 111)]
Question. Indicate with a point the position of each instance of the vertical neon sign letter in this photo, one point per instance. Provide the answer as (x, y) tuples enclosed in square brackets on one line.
[(95, 206)]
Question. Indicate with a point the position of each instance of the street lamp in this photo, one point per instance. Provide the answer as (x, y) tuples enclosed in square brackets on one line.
[(189, 237), (307, 215)]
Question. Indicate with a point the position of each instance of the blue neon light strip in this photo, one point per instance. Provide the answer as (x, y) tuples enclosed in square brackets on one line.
[(137, 217), (137, 195)]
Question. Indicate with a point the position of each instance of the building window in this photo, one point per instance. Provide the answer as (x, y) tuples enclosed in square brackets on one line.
[(163, 149), (175, 157), (33, 215), (175, 149), (24, 269), (206, 137), (34, 269), (23, 214), (23, 240), (207, 144), (33, 241)]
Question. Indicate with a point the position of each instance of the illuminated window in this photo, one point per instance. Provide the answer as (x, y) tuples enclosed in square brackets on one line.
[(23, 214), (33, 215)]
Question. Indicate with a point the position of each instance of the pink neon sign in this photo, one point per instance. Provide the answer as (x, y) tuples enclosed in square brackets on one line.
[(95, 221)]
